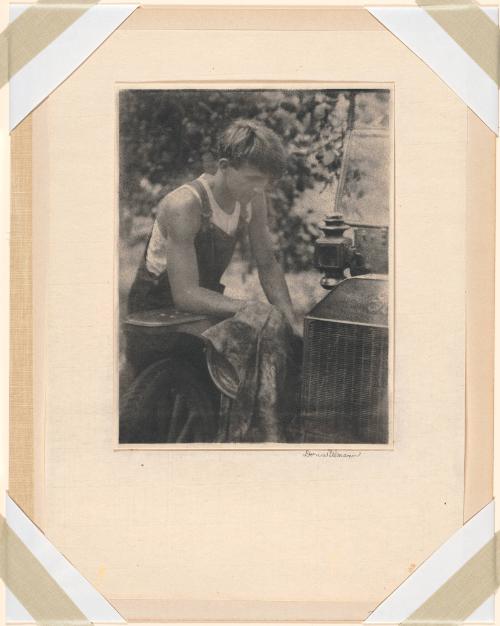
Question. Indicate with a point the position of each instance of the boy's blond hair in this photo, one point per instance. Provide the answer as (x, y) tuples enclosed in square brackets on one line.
[(251, 142)]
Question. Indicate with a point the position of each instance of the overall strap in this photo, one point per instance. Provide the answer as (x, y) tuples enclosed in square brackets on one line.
[(206, 209), (205, 247)]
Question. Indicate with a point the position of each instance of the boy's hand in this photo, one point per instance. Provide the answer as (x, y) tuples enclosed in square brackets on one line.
[(298, 328)]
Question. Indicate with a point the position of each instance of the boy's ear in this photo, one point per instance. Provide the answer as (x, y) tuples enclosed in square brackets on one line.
[(223, 164)]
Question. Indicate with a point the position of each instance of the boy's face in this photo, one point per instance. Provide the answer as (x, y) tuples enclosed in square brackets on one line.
[(244, 182)]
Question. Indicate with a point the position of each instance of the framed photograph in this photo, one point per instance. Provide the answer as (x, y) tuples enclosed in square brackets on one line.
[(336, 175), (252, 257)]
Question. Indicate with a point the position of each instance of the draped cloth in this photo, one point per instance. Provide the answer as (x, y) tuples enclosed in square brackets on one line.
[(258, 342)]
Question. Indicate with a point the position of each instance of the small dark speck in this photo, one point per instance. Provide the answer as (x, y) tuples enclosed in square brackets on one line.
[(445, 502), (142, 465)]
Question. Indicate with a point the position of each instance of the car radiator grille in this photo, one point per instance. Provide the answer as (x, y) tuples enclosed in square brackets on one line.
[(344, 388)]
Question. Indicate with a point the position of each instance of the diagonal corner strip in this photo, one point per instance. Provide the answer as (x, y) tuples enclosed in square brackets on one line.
[(471, 29), (32, 585), (34, 30), (464, 592)]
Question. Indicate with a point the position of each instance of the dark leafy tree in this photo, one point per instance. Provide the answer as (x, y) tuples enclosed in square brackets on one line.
[(168, 137)]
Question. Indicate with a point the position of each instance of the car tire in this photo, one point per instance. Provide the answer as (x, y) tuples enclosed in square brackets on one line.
[(168, 403)]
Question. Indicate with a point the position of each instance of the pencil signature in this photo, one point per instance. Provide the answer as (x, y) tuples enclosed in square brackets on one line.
[(335, 454)]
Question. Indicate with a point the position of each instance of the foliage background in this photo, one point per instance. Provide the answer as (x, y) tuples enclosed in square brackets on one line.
[(167, 137)]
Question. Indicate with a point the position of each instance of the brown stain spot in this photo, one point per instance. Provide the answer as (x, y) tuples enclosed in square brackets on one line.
[(412, 567)]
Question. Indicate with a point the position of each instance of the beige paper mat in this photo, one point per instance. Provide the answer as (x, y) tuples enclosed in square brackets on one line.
[(477, 422)]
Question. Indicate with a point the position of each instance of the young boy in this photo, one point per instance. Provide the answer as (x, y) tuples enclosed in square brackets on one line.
[(197, 226)]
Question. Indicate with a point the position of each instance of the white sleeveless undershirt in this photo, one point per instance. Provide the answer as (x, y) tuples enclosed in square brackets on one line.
[(156, 257)]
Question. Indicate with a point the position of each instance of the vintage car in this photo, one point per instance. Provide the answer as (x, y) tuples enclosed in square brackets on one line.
[(183, 383)]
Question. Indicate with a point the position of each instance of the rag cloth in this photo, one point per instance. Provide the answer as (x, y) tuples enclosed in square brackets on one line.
[(258, 343)]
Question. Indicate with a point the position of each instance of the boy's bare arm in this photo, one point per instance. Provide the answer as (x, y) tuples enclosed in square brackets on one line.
[(179, 221), (271, 275)]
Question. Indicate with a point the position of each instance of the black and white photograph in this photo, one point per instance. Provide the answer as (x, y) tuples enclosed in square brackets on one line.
[(254, 266)]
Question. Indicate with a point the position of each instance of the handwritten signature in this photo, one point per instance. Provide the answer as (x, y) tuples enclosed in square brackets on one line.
[(335, 454)]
